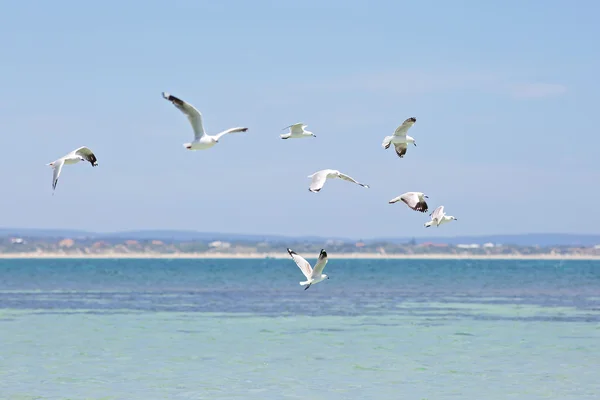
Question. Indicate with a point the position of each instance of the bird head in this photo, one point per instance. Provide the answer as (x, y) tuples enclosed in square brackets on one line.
[(51, 164)]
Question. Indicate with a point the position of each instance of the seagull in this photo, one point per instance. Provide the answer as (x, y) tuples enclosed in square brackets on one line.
[(319, 178), (315, 275), (297, 131), (415, 200), (202, 140), (400, 139), (80, 154), (439, 217)]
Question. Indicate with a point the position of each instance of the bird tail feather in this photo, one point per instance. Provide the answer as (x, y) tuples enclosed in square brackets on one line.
[(386, 141)]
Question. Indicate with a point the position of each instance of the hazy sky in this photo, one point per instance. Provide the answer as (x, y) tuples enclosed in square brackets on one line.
[(505, 95)]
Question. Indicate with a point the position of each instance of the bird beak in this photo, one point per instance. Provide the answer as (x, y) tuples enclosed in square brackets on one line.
[(426, 197), (314, 135), (415, 143)]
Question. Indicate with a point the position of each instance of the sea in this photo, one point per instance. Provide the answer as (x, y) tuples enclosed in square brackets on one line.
[(245, 329)]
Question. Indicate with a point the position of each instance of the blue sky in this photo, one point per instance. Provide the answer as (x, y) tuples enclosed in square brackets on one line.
[(505, 95)]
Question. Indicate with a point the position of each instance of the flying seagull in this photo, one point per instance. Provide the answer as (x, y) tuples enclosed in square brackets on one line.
[(202, 140), (297, 131), (315, 275), (439, 217), (400, 139), (415, 200), (319, 178), (80, 154)]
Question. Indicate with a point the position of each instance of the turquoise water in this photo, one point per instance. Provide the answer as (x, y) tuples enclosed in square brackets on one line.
[(245, 329)]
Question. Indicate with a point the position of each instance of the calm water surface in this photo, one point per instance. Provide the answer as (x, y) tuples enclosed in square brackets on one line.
[(245, 329)]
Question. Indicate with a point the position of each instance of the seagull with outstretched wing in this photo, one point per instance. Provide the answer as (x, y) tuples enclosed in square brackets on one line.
[(202, 140), (297, 131), (439, 217), (319, 178), (400, 139), (315, 275), (81, 154), (415, 200)]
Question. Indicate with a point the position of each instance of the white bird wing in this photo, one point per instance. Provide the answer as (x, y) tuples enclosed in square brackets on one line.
[(87, 154), (231, 130), (318, 180), (401, 149), (193, 115), (301, 263), (402, 129), (413, 200), (297, 128), (437, 214), (349, 179), (58, 164), (320, 265), (410, 199), (395, 200)]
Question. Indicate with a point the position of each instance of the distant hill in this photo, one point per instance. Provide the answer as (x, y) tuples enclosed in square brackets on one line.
[(530, 239)]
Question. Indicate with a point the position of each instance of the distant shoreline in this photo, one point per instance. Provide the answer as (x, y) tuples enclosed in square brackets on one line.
[(374, 256)]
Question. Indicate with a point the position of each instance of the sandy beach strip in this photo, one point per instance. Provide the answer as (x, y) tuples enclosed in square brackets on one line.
[(376, 256)]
